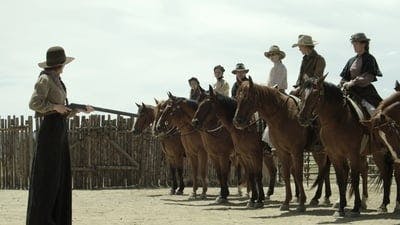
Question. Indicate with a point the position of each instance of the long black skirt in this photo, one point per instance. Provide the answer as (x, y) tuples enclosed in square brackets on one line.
[(50, 191)]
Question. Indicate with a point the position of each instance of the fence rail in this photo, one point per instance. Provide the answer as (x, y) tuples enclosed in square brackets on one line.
[(104, 154)]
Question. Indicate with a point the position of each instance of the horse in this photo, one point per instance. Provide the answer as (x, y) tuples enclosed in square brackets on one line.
[(341, 134), (194, 149), (216, 138), (290, 139), (247, 143), (384, 128), (171, 145)]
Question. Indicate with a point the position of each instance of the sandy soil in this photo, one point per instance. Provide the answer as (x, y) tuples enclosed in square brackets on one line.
[(154, 206)]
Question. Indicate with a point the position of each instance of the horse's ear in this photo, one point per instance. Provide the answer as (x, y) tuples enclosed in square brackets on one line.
[(251, 84), (397, 86), (157, 102), (211, 91), (137, 105), (170, 96), (143, 105)]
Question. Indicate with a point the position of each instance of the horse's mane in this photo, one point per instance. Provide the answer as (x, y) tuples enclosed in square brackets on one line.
[(191, 103), (228, 103), (261, 91), (332, 93), (395, 97)]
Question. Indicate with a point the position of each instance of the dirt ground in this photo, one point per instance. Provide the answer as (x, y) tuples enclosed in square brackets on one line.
[(155, 206)]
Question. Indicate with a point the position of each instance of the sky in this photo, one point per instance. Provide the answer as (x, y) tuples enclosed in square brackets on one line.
[(131, 51)]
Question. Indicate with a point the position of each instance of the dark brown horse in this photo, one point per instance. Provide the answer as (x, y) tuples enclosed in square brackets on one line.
[(290, 139), (193, 146), (247, 142), (216, 138), (384, 128), (341, 133), (171, 145)]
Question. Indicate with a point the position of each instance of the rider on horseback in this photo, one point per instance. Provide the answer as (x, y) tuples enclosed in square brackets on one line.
[(359, 73)]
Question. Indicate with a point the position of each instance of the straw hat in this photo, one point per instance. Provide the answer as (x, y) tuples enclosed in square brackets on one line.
[(55, 56), (274, 49), (305, 40), (240, 67)]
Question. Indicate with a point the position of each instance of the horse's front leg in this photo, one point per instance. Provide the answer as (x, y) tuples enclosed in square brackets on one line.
[(297, 163), (286, 164), (341, 170)]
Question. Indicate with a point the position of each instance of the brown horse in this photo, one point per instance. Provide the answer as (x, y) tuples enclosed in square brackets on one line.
[(171, 145), (193, 146), (216, 139), (248, 144), (341, 133), (384, 128), (290, 139)]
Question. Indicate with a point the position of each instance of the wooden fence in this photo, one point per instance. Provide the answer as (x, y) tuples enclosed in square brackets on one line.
[(104, 154)]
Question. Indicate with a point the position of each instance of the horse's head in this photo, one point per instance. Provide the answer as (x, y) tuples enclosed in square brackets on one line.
[(312, 90), (174, 113), (397, 86), (144, 119), (245, 97), (205, 111)]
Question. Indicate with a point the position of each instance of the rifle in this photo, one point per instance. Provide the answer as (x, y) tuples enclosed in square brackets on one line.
[(99, 109)]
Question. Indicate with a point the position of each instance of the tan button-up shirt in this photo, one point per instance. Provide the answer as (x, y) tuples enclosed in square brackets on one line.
[(222, 87), (47, 93)]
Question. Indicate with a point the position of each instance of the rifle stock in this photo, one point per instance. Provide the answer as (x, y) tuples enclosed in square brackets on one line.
[(99, 109)]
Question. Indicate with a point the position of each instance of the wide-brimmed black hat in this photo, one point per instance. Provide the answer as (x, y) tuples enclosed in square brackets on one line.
[(359, 37), (240, 67), (55, 56)]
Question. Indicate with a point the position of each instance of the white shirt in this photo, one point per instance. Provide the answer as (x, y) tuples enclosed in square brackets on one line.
[(278, 76)]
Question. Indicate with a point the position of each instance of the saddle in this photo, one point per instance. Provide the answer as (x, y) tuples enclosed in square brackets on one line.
[(361, 113)]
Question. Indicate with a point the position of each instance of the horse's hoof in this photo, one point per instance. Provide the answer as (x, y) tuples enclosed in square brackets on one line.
[(314, 202), (336, 205), (250, 204), (203, 196), (172, 192), (397, 209), (363, 205), (301, 208), (192, 196), (339, 214), (267, 197), (284, 207), (382, 209), (354, 213), (326, 201), (179, 192), (259, 205), (221, 200)]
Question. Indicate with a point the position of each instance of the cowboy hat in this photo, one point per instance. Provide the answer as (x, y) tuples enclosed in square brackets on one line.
[(55, 56), (274, 49), (359, 37), (305, 40), (240, 67)]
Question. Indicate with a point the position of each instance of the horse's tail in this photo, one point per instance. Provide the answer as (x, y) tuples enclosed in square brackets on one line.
[(377, 182), (322, 173)]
